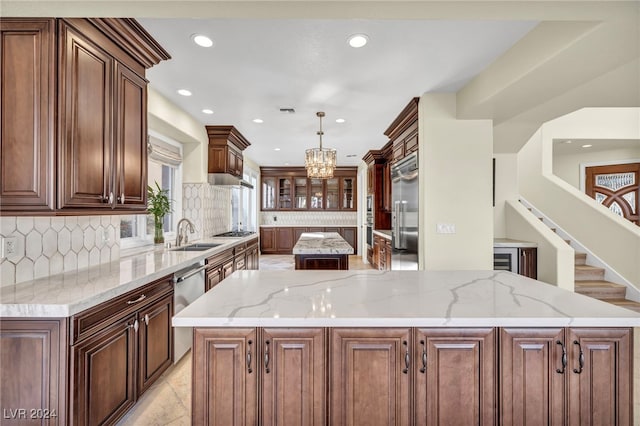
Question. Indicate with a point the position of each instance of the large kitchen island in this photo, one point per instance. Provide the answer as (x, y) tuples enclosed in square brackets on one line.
[(322, 250), (406, 347)]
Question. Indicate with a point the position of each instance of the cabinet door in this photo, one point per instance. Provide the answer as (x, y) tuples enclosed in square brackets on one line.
[(231, 162), (85, 113), (268, 193), (293, 377), (267, 240), (386, 187), (253, 257), (239, 165), (297, 232), (332, 201), (369, 378), (213, 276), (301, 193), (528, 265), (285, 194), (33, 373), (131, 140), (458, 385), (370, 179), (104, 374), (376, 251), (348, 194), (533, 376), (284, 239), (155, 341), (27, 105), (316, 194), (599, 385), (225, 390)]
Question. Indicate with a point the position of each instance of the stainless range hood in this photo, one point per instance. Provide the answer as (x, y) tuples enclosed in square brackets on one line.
[(226, 179)]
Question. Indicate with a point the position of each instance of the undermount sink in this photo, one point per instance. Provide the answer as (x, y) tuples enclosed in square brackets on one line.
[(196, 247)]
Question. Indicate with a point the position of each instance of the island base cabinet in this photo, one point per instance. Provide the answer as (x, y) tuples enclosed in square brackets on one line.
[(155, 344), (575, 376), (270, 376), (369, 380), (225, 377), (533, 376), (455, 376), (293, 377), (599, 376)]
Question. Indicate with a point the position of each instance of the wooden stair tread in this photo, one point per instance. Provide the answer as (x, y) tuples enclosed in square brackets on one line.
[(625, 303), (598, 289), (588, 268)]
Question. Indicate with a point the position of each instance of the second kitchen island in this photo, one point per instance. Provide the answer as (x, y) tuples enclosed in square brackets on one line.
[(322, 250), (406, 347)]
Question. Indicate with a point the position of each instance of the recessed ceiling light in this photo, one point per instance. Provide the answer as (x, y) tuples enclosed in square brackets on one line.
[(568, 141), (184, 92), (276, 149), (351, 155), (258, 120), (202, 40), (587, 146), (340, 120), (286, 164), (207, 111), (358, 40)]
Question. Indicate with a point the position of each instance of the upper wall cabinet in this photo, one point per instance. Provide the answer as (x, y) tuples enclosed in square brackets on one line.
[(288, 188), (226, 144), (403, 132), (95, 121)]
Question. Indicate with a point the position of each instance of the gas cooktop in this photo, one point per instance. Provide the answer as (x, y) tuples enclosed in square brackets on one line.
[(235, 234)]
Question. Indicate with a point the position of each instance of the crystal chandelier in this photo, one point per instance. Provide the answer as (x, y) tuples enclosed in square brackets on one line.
[(320, 162)]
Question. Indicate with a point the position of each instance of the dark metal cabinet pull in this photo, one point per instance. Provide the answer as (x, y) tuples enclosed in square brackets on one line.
[(139, 299), (405, 370), (266, 357), (564, 358), (424, 357), (249, 370), (580, 358)]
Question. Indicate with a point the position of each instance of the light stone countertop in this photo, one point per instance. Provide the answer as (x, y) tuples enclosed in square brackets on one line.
[(506, 242), (322, 243), (69, 293), (384, 233), (396, 299)]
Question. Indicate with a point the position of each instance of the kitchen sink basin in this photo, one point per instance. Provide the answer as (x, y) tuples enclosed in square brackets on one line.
[(196, 247)]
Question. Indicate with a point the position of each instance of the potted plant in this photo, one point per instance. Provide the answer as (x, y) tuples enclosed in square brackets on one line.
[(159, 205)]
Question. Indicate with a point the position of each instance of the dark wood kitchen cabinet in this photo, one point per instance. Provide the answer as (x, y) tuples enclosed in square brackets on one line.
[(118, 349), (370, 377), (226, 144), (27, 133), (33, 369), (241, 256), (455, 376), (288, 188), (403, 131), (279, 373), (99, 110), (574, 376)]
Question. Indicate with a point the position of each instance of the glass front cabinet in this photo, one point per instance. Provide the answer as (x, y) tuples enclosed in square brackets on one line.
[(288, 188)]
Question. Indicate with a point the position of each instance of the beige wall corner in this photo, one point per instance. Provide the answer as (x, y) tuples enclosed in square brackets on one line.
[(555, 256), (613, 239), (455, 158), (506, 188), (167, 118)]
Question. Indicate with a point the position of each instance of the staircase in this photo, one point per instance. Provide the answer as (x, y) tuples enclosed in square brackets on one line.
[(589, 280)]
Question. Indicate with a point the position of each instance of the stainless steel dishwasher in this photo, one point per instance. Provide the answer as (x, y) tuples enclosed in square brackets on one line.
[(188, 286)]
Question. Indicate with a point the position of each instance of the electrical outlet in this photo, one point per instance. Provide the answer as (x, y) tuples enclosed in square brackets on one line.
[(446, 228), (9, 246)]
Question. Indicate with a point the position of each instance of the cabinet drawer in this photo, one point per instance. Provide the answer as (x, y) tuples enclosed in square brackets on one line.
[(93, 319), (220, 258)]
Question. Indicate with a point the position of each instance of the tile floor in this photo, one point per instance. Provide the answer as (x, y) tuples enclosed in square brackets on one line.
[(168, 401)]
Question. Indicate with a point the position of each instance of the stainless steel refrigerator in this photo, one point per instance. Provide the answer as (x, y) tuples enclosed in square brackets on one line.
[(404, 217)]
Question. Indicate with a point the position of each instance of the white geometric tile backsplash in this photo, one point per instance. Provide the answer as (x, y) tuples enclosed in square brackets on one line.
[(51, 245), (208, 207), (309, 218)]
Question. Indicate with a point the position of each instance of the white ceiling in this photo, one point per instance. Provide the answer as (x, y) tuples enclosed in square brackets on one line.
[(257, 66), (575, 146)]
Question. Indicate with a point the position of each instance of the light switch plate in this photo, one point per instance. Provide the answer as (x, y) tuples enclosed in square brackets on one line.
[(446, 228)]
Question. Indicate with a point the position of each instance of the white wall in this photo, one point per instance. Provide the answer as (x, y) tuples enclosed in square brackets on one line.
[(567, 166), (611, 238), (456, 186), (506, 187)]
